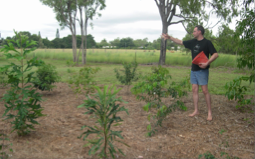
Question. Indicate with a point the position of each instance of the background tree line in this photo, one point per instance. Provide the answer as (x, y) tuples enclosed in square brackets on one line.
[(225, 41), (130, 43), (65, 42)]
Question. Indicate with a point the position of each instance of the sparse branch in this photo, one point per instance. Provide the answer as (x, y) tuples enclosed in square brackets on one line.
[(215, 24), (181, 21), (157, 2), (173, 13), (168, 7), (167, 2), (180, 16), (208, 19), (185, 28), (211, 4)]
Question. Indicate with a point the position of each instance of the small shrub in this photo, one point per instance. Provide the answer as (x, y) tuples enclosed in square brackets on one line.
[(3, 154), (224, 143), (129, 73), (151, 90), (70, 63), (84, 81), (46, 76), (70, 71), (104, 108), (236, 91), (206, 155)]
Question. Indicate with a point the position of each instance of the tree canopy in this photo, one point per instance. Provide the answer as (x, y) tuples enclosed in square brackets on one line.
[(246, 31)]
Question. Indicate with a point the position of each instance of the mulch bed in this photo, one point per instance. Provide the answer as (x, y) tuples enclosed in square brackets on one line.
[(179, 137)]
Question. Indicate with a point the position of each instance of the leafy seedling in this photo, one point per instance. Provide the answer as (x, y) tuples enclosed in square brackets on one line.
[(84, 81), (152, 89), (104, 108), (129, 74)]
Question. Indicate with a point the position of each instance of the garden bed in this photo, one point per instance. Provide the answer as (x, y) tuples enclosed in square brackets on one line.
[(180, 137)]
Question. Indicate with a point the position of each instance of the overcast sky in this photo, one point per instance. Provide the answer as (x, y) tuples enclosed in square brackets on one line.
[(137, 19)]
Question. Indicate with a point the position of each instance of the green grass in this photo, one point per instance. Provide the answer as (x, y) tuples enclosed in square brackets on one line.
[(177, 63), (117, 56)]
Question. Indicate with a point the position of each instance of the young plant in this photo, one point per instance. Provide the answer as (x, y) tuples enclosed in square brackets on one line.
[(3, 154), (206, 155), (84, 81), (70, 63), (129, 73), (21, 100), (69, 70), (3, 80), (151, 90), (104, 108), (46, 76), (236, 91), (224, 143)]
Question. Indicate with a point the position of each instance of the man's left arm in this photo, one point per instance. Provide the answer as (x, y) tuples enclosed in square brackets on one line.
[(213, 57)]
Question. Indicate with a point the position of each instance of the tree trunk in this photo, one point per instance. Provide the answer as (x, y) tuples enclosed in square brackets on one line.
[(74, 47), (82, 34), (85, 41), (77, 63), (83, 51), (73, 31), (162, 58)]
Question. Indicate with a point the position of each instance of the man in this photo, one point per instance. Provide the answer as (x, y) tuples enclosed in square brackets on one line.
[(199, 73)]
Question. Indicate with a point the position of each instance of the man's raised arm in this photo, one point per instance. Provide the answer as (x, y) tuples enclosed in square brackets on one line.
[(177, 41)]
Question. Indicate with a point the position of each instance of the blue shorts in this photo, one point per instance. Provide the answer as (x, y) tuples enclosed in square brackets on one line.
[(199, 77)]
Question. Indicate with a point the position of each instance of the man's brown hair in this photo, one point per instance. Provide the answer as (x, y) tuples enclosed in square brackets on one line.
[(199, 27)]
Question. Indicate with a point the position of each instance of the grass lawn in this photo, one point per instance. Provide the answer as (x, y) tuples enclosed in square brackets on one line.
[(118, 56), (218, 76)]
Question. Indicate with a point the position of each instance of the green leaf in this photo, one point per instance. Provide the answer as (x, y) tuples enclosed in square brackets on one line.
[(81, 106), (149, 117), (149, 127), (146, 107), (87, 145)]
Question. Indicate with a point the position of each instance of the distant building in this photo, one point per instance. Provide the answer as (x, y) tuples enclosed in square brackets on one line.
[(141, 47), (109, 47)]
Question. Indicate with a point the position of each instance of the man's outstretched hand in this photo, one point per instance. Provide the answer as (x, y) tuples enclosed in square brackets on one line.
[(165, 36)]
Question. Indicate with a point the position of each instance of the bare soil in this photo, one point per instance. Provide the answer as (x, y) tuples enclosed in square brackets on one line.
[(180, 137)]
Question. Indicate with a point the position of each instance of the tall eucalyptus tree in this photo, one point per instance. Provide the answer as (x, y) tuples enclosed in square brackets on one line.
[(66, 15), (88, 8)]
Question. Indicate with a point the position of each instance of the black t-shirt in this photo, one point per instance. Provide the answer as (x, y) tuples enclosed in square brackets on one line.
[(196, 47)]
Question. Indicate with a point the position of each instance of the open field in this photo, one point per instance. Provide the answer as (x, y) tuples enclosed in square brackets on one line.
[(118, 56), (180, 137)]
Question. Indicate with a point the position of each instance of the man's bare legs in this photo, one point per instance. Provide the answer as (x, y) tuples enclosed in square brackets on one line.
[(208, 101), (195, 99)]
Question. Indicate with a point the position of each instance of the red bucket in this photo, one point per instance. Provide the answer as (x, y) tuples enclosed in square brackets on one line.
[(200, 58)]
